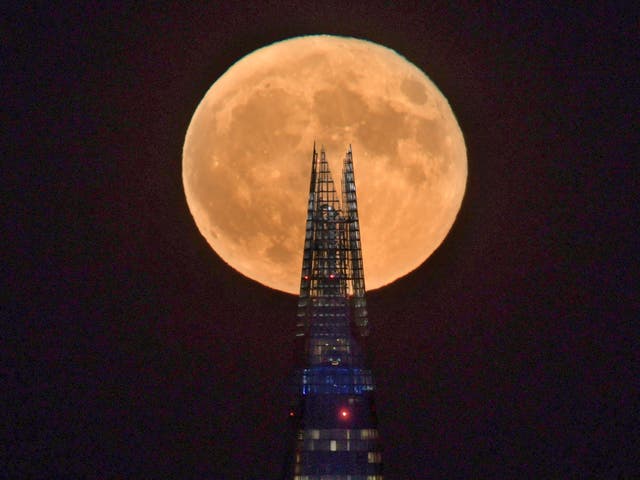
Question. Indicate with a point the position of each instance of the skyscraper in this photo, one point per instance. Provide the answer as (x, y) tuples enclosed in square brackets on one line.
[(333, 415)]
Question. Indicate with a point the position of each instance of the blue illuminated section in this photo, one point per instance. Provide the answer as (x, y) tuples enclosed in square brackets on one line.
[(332, 379)]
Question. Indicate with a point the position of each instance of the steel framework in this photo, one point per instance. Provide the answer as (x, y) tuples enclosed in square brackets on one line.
[(333, 417)]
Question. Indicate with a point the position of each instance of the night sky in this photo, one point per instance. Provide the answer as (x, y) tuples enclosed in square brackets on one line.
[(132, 351)]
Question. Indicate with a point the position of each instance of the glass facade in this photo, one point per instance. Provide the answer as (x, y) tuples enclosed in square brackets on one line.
[(333, 417), (336, 380)]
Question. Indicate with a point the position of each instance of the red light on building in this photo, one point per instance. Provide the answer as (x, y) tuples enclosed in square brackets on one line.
[(344, 414), (332, 276)]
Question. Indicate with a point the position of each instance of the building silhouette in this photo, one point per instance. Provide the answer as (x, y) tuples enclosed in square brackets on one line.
[(333, 417)]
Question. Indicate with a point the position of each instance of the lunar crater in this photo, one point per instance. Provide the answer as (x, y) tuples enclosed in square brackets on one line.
[(415, 91)]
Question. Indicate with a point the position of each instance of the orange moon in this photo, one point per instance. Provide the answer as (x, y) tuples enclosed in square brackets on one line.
[(247, 156)]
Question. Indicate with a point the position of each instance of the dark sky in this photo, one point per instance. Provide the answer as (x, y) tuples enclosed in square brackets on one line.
[(132, 351)]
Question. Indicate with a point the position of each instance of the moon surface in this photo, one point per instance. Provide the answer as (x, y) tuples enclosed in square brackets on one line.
[(247, 156)]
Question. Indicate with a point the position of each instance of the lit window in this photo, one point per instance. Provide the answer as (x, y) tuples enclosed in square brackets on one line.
[(333, 446), (374, 457), (368, 433)]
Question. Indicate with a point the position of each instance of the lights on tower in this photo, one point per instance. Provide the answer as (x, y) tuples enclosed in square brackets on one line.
[(344, 414)]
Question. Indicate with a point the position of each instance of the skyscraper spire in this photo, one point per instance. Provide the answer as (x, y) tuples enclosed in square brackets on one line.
[(333, 415), (356, 271)]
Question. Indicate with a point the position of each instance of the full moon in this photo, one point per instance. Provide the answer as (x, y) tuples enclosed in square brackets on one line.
[(247, 156)]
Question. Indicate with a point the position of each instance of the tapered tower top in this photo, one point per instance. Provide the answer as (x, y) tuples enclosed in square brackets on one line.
[(332, 259), (333, 417)]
